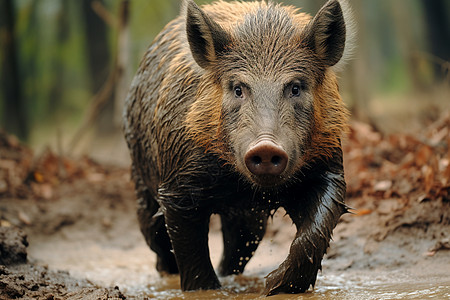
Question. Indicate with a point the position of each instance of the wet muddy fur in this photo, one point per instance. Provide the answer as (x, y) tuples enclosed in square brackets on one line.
[(218, 81)]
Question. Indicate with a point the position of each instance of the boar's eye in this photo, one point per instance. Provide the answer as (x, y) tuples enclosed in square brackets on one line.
[(295, 92), (295, 89), (238, 92)]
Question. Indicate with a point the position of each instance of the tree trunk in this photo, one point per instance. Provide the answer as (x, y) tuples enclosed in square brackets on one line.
[(62, 36), (438, 28), (99, 61), (14, 115), (408, 42), (357, 76), (123, 62)]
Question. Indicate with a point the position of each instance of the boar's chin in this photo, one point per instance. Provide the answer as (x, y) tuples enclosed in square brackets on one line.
[(267, 181)]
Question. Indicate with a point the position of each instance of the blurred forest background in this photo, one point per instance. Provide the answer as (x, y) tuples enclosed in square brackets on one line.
[(65, 66)]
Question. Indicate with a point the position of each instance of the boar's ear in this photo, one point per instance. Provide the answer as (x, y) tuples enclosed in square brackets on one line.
[(331, 32), (206, 38)]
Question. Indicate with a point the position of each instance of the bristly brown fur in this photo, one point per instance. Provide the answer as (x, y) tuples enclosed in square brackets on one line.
[(330, 119), (204, 119)]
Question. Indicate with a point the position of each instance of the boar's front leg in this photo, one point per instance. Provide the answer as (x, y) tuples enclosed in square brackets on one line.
[(188, 231), (315, 214), (241, 236)]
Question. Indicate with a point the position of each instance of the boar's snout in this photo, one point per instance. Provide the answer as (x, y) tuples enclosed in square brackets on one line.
[(266, 158)]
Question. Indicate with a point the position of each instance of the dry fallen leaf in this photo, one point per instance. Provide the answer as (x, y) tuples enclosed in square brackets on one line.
[(46, 191), (38, 177), (423, 156), (24, 218), (95, 177), (382, 186), (3, 186), (5, 223), (428, 175)]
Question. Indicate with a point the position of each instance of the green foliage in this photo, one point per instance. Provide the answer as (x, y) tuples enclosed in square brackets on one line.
[(42, 54)]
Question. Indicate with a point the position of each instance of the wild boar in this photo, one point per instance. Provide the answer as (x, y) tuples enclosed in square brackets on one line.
[(235, 110)]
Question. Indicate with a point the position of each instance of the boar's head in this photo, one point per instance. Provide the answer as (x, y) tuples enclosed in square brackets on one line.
[(268, 100)]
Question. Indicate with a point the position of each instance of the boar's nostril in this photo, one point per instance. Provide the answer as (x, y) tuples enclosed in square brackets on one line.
[(266, 158), (256, 160), (276, 160)]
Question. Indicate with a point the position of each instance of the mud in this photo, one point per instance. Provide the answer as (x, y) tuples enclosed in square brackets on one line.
[(29, 281), (13, 246), (78, 219)]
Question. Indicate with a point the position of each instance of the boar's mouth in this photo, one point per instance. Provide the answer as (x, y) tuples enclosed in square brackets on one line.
[(267, 181)]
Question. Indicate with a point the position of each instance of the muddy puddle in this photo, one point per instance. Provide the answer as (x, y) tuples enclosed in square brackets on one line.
[(130, 266), (328, 287), (133, 272)]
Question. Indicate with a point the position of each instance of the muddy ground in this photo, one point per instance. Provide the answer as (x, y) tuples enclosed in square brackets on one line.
[(69, 231)]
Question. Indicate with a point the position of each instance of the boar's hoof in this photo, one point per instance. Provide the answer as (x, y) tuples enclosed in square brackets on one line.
[(288, 280)]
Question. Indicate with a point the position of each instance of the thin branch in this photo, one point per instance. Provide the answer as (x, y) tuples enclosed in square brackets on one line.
[(98, 103), (433, 58), (104, 14)]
